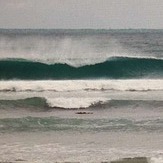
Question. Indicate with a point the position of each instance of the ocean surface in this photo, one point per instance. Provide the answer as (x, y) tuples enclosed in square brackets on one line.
[(81, 95)]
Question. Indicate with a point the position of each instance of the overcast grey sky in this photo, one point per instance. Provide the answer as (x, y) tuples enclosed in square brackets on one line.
[(81, 13)]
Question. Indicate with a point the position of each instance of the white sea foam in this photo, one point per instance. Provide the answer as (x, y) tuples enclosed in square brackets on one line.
[(158, 159), (85, 85), (82, 93), (75, 102)]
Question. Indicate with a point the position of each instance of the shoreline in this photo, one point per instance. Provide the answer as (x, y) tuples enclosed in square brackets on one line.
[(124, 160), (132, 160)]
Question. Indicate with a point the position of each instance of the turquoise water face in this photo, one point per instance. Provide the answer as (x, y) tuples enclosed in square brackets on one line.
[(115, 68)]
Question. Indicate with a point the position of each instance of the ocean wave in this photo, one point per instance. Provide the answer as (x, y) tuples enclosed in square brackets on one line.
[(33, 102), (46, 104), (116, 68), (52, 103), (79, 47)]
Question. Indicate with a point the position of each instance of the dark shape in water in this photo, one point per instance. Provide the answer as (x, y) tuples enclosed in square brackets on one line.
[(132, 160), (84, 112)]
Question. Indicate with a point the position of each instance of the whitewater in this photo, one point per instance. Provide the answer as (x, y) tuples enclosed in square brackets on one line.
[(81, 95)]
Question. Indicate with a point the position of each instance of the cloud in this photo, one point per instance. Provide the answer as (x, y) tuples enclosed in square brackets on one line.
[(81, 13), (13, 3)]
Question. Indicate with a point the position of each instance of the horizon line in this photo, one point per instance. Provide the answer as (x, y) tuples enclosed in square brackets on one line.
[(82, 28)]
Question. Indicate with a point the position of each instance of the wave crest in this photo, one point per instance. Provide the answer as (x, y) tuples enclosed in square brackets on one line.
[(40, 103), (118, 67)]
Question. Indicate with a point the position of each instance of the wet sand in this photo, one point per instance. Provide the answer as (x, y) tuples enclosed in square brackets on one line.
[(125, 160), (132, 160)]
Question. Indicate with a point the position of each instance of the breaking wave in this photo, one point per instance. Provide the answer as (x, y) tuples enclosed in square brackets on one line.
[(36, 103), (114, 68)]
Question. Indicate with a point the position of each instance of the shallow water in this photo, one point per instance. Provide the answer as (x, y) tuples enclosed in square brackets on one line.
[(62, 135), (79, 146)]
